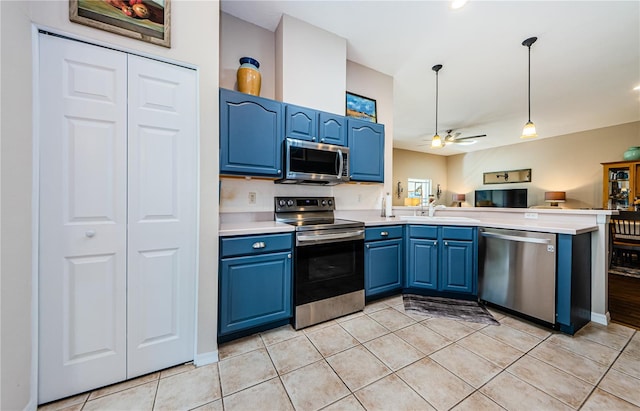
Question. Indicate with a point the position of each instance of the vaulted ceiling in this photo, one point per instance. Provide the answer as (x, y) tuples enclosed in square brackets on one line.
[(584, 66)]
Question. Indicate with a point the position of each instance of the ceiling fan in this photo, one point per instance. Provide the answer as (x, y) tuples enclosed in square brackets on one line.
[(463, 141), (455, 139)]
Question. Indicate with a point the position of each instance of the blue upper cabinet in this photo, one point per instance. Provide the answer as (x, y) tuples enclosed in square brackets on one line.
[(251, 135), (312, 125), (366, 150), (301, 123), (332, 129)]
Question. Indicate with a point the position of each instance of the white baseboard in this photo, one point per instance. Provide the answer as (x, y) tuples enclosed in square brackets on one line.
[(603, 319), (205, 358)]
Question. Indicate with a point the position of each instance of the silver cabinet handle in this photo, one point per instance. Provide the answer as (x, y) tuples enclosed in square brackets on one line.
[(368, 245), (384, 233), (90, 233), (313, 139), (289, 255), (435, 242), (258, 244), (446, 243)]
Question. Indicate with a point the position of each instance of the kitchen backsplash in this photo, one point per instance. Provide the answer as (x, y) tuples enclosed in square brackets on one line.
[(238, 194)]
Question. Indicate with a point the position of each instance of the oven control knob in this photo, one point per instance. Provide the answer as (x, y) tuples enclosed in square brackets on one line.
[(330, 203), (281, 203), (324, 203), (290, 203)]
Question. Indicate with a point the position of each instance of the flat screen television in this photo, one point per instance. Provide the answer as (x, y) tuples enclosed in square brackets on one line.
[(511, 198)]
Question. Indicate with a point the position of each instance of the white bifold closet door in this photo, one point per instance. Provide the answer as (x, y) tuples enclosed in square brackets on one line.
[(117, 216)]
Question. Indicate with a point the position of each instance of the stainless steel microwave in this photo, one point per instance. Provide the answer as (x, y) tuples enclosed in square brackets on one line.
[(314, 163)]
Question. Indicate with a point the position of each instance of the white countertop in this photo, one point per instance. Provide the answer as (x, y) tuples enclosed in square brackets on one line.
[(371, 219), (254, 227)]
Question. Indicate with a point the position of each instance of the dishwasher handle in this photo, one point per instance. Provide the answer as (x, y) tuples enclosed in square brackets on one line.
[(516, 238)]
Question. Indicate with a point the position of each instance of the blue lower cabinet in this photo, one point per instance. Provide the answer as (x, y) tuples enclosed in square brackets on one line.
[(255, 290), (457, 266), (442, 258), (382, 266), (423, 264)]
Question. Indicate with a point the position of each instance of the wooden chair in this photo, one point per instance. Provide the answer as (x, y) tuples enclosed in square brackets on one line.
[(625, 238)]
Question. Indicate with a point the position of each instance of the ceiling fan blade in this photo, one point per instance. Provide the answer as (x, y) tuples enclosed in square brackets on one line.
[(470, 137)]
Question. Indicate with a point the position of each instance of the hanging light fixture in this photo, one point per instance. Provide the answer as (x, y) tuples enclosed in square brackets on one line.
[(529, 130), (436, 142)]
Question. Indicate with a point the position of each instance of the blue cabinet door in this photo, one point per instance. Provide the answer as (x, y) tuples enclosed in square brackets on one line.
[(250, 135), (422, 267), (254, 290), (382, 266), (366, 150), (301, 123), (332, 129), (457, 266)]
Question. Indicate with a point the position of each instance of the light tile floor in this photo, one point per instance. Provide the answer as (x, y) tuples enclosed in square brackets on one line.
[(386, 359)]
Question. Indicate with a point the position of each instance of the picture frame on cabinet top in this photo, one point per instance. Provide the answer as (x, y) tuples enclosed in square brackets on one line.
[(145, 20), (361, 107)]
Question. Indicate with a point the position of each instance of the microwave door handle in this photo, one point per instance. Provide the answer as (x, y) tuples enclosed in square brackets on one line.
[(340, 165)]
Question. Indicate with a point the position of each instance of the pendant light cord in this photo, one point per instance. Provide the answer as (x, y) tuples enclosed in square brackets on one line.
[(436, 133), (529, 84)]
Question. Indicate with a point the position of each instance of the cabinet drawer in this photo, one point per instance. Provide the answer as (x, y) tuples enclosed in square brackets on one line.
[(255, 244), (423, 231), (383, 233), (457, 233)]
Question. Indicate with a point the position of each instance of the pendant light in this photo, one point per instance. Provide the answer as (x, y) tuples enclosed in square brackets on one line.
[(436, 142), (529, 130)]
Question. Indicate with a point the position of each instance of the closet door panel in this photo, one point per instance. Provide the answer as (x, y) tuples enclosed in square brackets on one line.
[(82, 217), (162, 215)]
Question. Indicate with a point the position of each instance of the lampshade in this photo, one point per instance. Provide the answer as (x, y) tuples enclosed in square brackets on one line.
[(459, 197), (555, 197), (529, 130), (436, 142)]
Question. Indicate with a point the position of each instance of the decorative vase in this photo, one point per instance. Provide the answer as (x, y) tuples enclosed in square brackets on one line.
[(249, 78), (632, 154)]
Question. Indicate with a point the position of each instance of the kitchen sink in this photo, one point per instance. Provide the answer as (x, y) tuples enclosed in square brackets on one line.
[(424, 218)]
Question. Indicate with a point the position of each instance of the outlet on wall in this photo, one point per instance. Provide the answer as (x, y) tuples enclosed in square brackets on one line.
[(252, 197), (532, 216)]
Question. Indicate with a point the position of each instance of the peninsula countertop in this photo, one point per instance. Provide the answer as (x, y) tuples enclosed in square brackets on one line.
[(572, 222)]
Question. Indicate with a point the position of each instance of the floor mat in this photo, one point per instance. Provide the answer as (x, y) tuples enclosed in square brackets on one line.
[(463, 310)]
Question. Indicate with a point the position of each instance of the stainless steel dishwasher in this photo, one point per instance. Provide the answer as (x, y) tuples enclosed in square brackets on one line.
[(517, 270)]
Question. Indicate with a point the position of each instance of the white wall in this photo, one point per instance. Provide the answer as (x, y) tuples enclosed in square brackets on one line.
[(195, 38), (378, 86), (568, 163), (356, 78), (245, 39), (311, 65)]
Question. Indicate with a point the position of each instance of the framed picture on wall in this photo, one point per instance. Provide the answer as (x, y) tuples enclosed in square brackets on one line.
[(361, 107), (146, 20)]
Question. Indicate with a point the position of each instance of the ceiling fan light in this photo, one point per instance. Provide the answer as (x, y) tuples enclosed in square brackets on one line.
[(529, 130), (436, 142)]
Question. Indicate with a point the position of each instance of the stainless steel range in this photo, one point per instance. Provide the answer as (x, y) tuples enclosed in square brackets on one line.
[(328, 274)]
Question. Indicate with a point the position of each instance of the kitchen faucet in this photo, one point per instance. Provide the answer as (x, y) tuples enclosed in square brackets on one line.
[(433, 207)]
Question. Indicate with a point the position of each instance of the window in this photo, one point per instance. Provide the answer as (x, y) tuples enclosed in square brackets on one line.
[(419, 188)]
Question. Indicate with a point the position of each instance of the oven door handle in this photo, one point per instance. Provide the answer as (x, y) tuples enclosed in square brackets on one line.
[(355, 235)]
